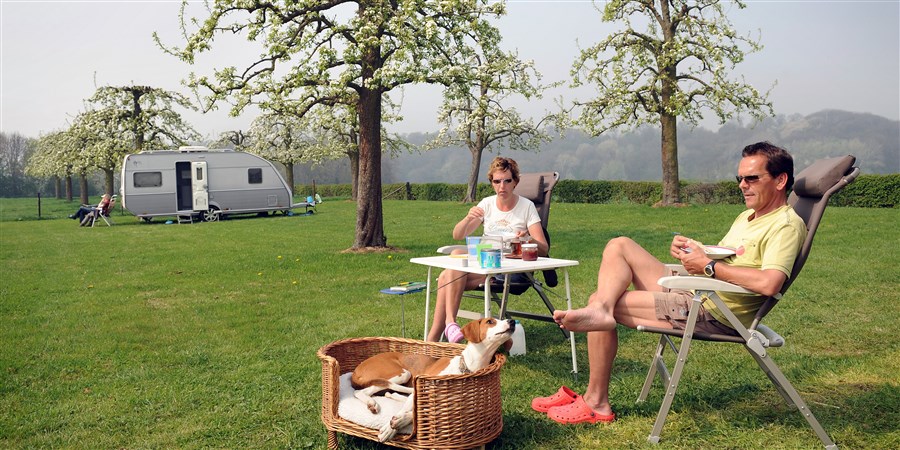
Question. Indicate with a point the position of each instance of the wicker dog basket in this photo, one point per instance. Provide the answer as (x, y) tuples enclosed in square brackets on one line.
[(451, 411)]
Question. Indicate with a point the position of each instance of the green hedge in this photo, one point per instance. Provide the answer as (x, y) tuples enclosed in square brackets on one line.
[(868, 191), (871, 191)]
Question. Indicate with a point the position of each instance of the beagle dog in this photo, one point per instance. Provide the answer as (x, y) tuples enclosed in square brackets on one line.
[(394, 371)]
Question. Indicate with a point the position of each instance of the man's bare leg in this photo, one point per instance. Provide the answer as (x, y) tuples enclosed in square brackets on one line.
[(602, 348), (633, 309), (624, 263)]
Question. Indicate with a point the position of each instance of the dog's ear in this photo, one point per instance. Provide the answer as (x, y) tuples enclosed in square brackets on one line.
[(472, 331)]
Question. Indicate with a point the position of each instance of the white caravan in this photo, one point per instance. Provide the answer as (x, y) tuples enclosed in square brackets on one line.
[(203, 183)]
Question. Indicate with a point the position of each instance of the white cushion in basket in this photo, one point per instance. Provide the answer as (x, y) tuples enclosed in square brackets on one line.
[(352, 409)]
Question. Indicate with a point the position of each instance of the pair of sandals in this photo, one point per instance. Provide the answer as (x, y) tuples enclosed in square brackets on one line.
[(565, 406)]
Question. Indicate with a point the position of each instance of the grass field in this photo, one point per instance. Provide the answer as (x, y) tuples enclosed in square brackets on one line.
[(204, 336)]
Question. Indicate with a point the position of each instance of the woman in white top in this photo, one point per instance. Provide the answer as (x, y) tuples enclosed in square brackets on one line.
[(504, 214)]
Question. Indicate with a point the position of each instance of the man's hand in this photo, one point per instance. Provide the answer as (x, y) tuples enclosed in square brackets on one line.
[(690, 253)]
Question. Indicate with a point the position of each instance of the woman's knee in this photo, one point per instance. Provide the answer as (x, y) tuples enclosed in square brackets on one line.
[(445, 276)]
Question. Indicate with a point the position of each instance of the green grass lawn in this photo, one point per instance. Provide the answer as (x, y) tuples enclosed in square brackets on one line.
[(205, 335)]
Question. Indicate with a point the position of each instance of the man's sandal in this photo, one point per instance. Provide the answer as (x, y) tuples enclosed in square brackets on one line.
[(563, 396), (578, 412)]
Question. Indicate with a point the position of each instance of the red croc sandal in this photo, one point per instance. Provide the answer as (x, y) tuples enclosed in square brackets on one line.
[(578, 412), (563, 396)]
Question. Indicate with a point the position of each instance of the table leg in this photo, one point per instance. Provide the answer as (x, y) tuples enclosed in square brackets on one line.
[(427, 301), (487, 296), (571, 334)]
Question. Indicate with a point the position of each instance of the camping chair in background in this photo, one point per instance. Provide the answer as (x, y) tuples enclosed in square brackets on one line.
[(538, 188), (103, 213), (311, 203), (812, 189)]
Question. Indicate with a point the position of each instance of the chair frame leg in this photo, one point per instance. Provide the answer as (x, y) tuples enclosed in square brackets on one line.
[(753, 346), (672, 385), (657, 366), (787, 390)]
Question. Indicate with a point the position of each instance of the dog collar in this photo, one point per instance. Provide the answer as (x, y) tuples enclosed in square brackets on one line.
[(463, 368)]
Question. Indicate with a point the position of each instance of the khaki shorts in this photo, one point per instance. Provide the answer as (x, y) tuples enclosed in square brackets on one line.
[(674, 306)]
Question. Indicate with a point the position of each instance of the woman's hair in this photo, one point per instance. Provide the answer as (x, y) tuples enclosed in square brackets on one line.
[(501, 164), (778, 160)]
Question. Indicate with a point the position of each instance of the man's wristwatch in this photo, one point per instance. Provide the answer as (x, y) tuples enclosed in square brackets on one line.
[(710, 269)]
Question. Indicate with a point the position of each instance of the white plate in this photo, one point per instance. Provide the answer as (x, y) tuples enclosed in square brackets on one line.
[(716, 252)]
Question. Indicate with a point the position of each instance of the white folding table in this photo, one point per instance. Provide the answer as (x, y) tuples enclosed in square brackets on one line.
[(508, 266)]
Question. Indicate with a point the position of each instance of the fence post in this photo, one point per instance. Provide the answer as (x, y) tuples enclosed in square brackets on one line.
[(408, 191), (39, 206)]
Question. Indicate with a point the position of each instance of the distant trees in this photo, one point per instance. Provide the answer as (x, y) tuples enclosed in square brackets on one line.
[(145, 115), (676, 68), (59, 154), (116, 121), (474, 114), (15, 150), (280, 138), (322, 53)]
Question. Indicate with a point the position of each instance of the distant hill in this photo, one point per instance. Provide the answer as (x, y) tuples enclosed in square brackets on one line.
[(703, 155)]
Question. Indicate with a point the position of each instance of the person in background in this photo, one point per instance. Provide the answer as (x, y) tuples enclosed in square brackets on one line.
[(84, 212), (504, 214), (767, 238)]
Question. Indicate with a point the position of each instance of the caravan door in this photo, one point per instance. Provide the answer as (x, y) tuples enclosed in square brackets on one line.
[(199, 186)]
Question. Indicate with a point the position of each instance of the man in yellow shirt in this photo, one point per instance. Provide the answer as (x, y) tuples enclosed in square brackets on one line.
[(767, 238)]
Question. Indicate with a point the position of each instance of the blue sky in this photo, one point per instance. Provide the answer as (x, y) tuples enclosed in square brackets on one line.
[(53, 55)]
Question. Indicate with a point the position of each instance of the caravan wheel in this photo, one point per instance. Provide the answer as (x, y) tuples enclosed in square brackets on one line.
[(211, 215)]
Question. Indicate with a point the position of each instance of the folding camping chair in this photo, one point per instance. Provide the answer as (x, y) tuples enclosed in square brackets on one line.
[(812, 189), (103, 213), (536, 187)]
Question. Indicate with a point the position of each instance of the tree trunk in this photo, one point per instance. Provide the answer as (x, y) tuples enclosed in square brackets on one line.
[(669, 139), (354, 174), (136, 115), (353, 156), (369, 217), (289, 168), (68, 188), (110, 181), (83, 185), (477, 150), (474, 169), (670, 184), (57, 187)]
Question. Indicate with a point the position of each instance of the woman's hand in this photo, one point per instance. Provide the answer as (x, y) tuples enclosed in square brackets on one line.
[(475, 213)]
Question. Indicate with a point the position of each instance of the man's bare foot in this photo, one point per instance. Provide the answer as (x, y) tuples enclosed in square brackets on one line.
[(585, 319)]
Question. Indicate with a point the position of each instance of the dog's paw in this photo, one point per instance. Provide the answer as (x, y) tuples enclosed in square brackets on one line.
[(395, 396), (373, 406), (387, 432), (401, 420)]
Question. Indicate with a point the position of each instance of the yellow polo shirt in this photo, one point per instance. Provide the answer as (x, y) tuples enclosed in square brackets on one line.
[(768, 242)]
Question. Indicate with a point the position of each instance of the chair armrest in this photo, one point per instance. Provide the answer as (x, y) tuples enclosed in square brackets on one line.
[(774, 339), (447, 249), (701, 284)]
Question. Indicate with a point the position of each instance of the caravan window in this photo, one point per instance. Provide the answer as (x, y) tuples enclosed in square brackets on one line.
[(254, 176), (147, 179)]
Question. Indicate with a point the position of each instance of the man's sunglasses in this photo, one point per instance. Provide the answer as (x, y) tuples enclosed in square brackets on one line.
[(505, 180), (750, 179)]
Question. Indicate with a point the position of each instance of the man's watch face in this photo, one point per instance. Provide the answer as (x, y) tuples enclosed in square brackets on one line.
[(709, 270)]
